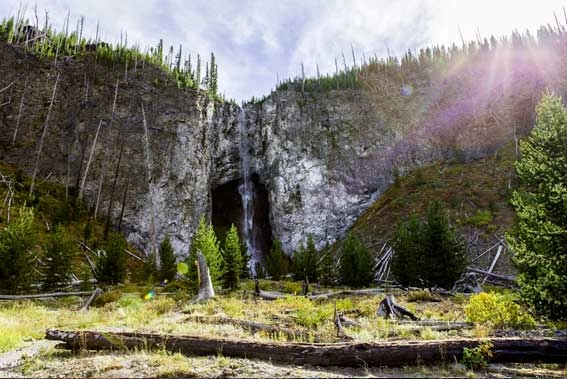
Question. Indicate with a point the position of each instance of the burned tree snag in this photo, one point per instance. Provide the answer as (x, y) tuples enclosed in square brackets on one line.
[(388, 308)]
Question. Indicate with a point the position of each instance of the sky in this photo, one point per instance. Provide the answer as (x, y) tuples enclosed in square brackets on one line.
[(257, 41)]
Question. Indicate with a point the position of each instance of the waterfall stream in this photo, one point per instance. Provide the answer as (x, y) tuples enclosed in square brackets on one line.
[(247, 191)]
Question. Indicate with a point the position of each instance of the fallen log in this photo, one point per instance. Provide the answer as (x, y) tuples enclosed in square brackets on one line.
[(44, 295), (398, 353), (493, 275), (96, 293)]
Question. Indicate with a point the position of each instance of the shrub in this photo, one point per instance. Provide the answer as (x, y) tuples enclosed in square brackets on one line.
[(356, 264), (58, 256), (428, 253), (540, 240), (168, 268), (277, 262), (111, 263), (106, 298), (497, 311), (477, 358), (16, 260), (232, 259)]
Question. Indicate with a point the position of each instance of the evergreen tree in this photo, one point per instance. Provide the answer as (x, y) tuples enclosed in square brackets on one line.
[(428, 253), (356, 264), (539, 241), (16, 260), (58, 257), (232, 257), (327, 268), (213, 84), (198, 72), (277, 262), (304, 262), (168, 267), (205, 241), (150, 270), (111, 264)]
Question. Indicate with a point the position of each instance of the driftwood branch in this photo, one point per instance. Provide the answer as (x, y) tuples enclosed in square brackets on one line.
[(96, 293), (389, 308), (44, 295), (396, 353), (493, 275)]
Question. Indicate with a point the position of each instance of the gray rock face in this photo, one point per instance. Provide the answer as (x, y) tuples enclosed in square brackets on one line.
[(323, 160)]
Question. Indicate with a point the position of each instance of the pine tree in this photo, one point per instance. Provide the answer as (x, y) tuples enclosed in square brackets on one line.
[(213, 85), (111, 264), (539, 241), (168, 268), (58, 258), (327, 268), (428, 253), (198, 72), (232, 257), (205, 241), (277, 262), (356, 264), (16, 261), (304, 262)]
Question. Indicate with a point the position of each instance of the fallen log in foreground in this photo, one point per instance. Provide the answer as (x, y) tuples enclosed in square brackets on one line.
[(398, 353)]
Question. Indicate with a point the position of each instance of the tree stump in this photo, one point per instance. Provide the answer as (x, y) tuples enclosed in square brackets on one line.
[(388, 308)]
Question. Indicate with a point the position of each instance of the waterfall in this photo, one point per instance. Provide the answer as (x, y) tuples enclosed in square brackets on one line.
[(247, 191)]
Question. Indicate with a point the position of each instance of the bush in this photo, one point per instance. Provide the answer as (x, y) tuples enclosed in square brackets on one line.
[(497, 311), (277, 262), (168, 268), (58, 256), (428, 253), (16, 260), (540, 240), (356, 264), (477, 358), (106, 298), (111, 263), (304, 262)]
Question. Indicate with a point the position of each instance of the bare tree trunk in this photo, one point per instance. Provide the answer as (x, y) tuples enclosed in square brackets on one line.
[(81, 189), (111, 200), (206, 290), (45, 126), (43, 295), (20, 112), (394, 353), (96, 293), (150, 191), (123, 204)]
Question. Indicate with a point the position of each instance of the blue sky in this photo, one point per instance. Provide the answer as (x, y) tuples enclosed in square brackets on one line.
[(256, 40)]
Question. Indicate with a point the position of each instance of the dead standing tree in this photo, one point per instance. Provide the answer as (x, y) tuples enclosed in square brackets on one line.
[(206, 290), (41, 141)]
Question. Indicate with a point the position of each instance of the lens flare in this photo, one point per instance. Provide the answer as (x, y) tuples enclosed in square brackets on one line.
[(150, 295), (182, 268)]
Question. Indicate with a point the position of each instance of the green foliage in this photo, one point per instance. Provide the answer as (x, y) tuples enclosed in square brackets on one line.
[(477, 358), (106, 298), (277, 262), (150, 272), (497, 311), (540, 239), (16, 259), (168, 268), (58, 259), (356, 263), (232, 259), (327, 267), (304, 262), (428, 253), (111, 263), (480, 218), (206, 242)]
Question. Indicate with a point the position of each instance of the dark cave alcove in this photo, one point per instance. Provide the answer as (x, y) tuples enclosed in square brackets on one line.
[(227, 210)]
